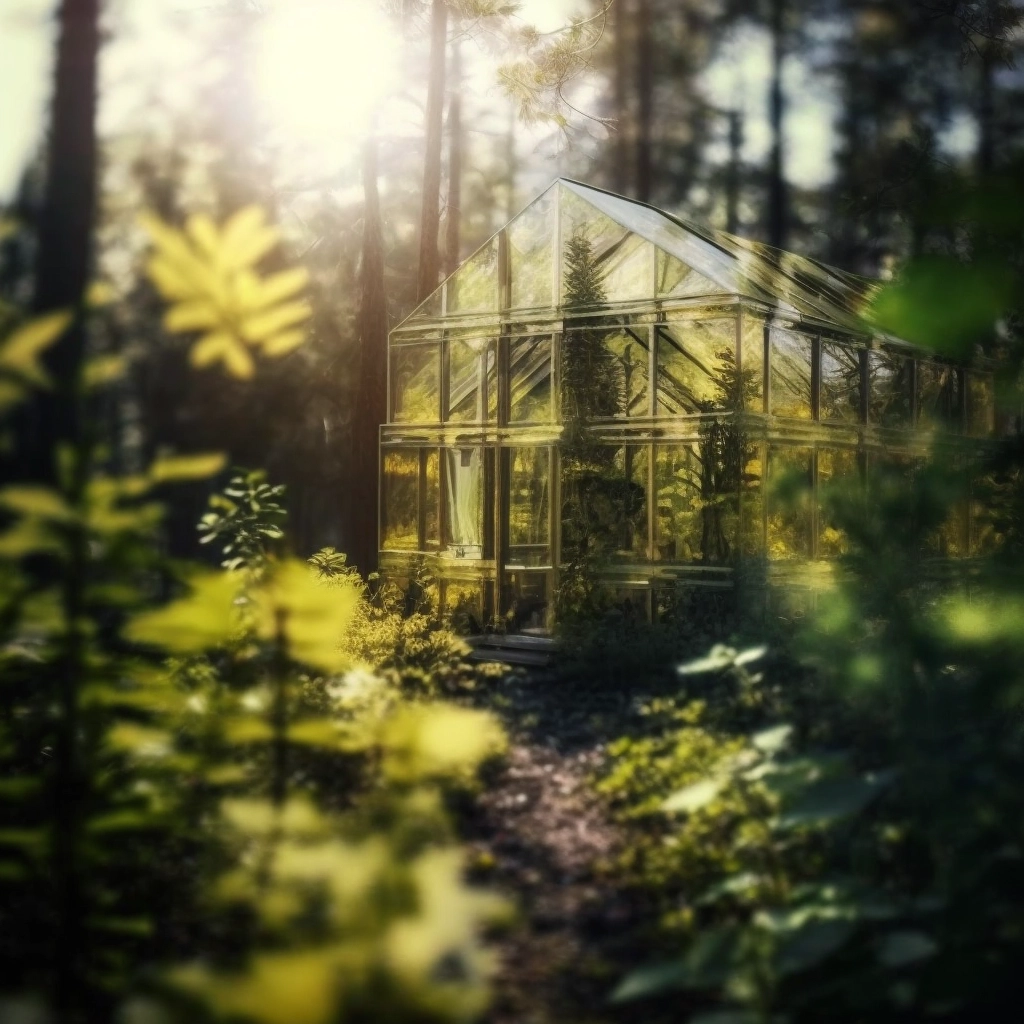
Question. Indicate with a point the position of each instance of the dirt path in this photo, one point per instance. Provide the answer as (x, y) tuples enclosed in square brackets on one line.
[(541, 835)]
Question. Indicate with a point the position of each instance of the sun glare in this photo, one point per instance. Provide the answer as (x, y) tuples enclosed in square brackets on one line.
[(324, 67)]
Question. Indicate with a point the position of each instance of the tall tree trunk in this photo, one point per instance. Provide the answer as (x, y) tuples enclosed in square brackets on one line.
[(620, 111), (430, 216), (732, 182), (371, 408), (778, 215), (511, 165), (453, 217), (64, 259), (645, 101), (986, 113)]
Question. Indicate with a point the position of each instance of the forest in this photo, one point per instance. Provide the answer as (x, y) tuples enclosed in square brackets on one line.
[(511, 511)]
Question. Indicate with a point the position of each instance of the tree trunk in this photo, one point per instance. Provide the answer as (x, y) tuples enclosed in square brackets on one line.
[(986, 113), (511, 165), (777, 198), (430, 215), (64, 258), (620, 151), (371, 409), (733, 182), (645, 101), (453, 217)]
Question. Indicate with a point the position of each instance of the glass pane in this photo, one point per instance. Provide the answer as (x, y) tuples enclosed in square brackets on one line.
[(938, 395), (677, 280), (593, 378), (696, 366), (789, 502), (889, 396), (415, 383), (627, 270), (981, 406), (465, 502), (629, 350), (630, 516), (400, 500), (432, 498), (530, 253), (429, 308), (583, 281), (840, 384), (472, 381), (530, 380), (835, 466), (474, 286), (752, 511), (696, 503), (604, 503), (527, 597), (528, 522), (791, 374), (752, 358)]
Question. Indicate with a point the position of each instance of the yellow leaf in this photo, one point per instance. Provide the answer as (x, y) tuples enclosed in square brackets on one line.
[(99, 294), (20, 351), (298, 817), (238, 361), (300, 987), (203, 232), (30, 500), (210, 348), (169, 280), (246, 239), (275, 320), (279, 287), (196, 315), (317, 732), (140, 741), (247, 730), (102, 370), (204, 619), (315, 616), (440, 740), (186, 467), (282, 344)]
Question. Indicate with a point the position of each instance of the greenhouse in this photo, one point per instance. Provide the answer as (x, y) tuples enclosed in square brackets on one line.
[(604, 382)]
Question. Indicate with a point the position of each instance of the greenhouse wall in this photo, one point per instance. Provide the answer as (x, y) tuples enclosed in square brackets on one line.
[(723, 375)]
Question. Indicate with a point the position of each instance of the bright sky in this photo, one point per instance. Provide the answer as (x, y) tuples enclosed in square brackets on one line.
[(322, 101)]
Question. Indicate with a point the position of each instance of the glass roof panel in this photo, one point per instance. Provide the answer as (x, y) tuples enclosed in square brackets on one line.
[(473, 288), (531, 245)]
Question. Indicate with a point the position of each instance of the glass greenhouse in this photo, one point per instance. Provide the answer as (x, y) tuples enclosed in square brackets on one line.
[(601, 375)]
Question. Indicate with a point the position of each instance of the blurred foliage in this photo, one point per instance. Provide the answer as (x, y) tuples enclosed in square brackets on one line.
[(267, 804), (209, 276)]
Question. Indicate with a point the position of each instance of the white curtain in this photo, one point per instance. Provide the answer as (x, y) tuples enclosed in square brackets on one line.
[(465, 497)]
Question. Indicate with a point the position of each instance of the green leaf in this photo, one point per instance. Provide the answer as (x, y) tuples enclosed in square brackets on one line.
[(830, 800), (650, 981), (898, 949), (695, 797), (186, 467), (771, 741), (814, 941), (943, 304)]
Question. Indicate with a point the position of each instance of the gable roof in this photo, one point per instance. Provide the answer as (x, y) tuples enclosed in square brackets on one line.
[(793, 284), (742, 267)]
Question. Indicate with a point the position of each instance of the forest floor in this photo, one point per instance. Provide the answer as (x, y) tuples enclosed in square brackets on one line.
[(541, 835)]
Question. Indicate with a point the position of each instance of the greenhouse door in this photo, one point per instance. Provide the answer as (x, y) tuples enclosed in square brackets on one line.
[(526, 529)]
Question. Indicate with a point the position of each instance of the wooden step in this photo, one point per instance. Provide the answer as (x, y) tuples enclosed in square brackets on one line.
[(513, 649)]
